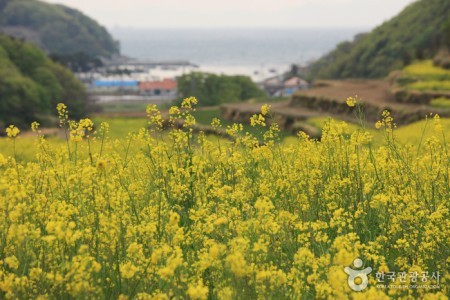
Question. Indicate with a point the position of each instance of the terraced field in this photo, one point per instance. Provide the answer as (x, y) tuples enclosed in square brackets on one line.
[(327, 98)]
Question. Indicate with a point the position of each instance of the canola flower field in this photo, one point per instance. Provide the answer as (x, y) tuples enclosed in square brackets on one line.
[(169, 214)]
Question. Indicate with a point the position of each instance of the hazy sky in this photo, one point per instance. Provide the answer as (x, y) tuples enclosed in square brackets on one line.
[(238, 13)]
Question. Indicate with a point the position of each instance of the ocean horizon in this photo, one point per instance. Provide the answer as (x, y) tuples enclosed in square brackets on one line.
[(253, 52)]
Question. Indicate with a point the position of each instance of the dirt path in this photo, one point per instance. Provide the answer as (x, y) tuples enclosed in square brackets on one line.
[(371, 91)]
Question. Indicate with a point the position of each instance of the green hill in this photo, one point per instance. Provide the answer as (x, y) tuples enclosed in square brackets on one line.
[(418, 32), (31, 85), (55, 28)]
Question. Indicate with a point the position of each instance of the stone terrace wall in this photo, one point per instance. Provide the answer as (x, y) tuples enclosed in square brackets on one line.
[(403, 114), (418, 97)]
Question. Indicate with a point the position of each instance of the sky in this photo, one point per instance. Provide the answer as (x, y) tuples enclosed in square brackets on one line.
[(239, 13)]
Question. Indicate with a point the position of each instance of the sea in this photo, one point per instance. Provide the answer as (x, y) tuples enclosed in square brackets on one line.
[(258, 53)]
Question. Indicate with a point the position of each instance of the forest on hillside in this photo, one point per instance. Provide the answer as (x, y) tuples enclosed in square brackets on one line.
[(421, 31), (32, 84), (57, 29)]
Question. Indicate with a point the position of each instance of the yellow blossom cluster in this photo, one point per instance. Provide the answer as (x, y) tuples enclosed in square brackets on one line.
[(172, 215), (79, 130), (352, 101), (265, 109), (12, 131)]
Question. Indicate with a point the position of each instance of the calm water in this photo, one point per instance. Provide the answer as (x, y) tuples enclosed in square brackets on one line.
[(240, 51)]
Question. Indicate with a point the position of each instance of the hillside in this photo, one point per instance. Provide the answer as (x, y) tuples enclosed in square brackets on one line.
[(56, 28), (418, 32), (31, 85)]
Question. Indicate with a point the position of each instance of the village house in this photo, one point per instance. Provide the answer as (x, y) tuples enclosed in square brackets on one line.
[(165, 89), (109, 85), (278, 87), (294, 84)]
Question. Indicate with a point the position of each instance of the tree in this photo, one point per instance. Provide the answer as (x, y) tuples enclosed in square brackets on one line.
[(212, 89)]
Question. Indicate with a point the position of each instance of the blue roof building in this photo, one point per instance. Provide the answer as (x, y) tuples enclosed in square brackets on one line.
[(116, 83)]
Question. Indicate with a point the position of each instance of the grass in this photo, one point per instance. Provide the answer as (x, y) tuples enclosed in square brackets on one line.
[(414, 133), (25, 147), (124, 106), (411, 134), (121, 126), (205, 116), (440, 102), (139, 106)]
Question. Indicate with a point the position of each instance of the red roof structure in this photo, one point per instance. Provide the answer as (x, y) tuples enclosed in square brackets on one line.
[(295, 82), (166, 84)]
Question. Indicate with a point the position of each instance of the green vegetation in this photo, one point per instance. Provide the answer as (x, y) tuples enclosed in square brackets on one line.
[(427, 69), (441, 103), (213, 89), (419, 32), (430, 85), (124, 106), (31, 85), (120, 127), (424, 76), (78, 62), (26, 143), (205, 117), (412, 134), (56, 28), (26, 147)]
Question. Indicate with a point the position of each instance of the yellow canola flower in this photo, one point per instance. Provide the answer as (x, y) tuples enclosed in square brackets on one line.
[(188, 103), (220, 221), (179, 215), (35, 126), (12, 131), (174, 218), (437, 124), (12, 262), (215, 123), (128, 270), (3, 160), (174, 110), (257, 120), (238, 264), (63, 113), (351, 101), (265, 109), (215, 251), (86, 124), (197, 291), (101, 164)]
